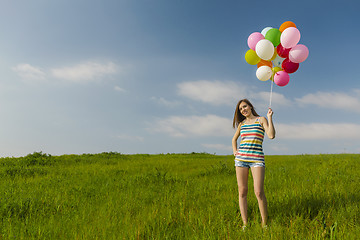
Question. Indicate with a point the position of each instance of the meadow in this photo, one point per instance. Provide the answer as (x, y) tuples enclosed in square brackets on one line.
[(175, 196)]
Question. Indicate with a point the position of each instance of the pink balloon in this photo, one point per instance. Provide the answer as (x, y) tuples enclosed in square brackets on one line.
[(290, 37), (299, 53), (253, 39), (281, 78), (289, 66)]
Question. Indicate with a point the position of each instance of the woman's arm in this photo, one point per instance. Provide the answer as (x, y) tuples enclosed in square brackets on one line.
[(268, 125), (235, 138)]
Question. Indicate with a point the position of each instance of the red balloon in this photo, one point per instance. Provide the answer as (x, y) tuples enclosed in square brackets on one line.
[(282, 52), (289, 67)]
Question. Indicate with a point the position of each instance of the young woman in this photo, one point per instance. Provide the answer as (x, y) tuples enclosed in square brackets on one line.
[(251, 129)]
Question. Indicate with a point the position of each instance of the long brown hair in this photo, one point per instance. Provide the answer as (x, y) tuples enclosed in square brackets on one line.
[(238, 117)]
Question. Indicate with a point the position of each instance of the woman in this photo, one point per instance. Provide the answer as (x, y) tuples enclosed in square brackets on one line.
[(251, 128)]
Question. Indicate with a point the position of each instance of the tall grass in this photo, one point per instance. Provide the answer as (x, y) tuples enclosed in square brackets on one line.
[(175, 196)]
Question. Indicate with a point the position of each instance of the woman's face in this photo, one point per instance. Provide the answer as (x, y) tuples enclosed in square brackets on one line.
[(245, 109)]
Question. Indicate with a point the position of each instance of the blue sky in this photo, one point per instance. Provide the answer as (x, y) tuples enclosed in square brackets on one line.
[(164, 76)]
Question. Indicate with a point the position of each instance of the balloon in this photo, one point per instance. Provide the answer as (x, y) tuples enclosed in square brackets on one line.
[(276, 52), (274, 55), (289, 67), (264, 63), (253, 39), (282, 52), (265, 30), (299, 53), (276, 69), (281, 78), (290, 37), (251, 57), (278, 61), (286, 25), (263, 73), (264, 49), (273, 35)]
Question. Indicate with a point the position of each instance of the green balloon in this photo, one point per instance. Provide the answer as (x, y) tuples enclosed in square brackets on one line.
[(273, 35)]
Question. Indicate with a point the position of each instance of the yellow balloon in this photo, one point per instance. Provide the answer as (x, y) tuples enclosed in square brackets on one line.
[(274, 56), (275, 70), (251, 57)]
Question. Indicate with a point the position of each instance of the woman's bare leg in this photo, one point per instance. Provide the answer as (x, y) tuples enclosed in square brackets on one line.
[(259, 177), (242, 174)]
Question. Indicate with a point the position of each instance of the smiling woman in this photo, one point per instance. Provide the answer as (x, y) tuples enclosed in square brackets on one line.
[(251, 128), (238, 116)]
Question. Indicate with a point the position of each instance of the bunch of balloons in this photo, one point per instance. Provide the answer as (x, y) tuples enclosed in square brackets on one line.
[(276, 53)]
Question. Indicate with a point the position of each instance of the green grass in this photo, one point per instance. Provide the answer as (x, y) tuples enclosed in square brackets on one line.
[(175, 196)]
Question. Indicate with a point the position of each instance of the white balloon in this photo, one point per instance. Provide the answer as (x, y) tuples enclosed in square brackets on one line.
[(278, 61), (264, 49), (265, 30), (264, 73)]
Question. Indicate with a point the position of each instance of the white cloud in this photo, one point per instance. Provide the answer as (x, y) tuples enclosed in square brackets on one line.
[(119, 89), (228, 93), (84, 72), (164, 102), (318, 131), (213, 92), (28, 72), (193, 126), (333, 100)]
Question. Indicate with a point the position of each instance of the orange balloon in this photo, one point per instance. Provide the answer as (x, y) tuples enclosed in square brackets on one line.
[(286, 24), (264, 63)]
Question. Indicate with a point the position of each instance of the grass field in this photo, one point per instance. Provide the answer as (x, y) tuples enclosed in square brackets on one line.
[(175, 196)]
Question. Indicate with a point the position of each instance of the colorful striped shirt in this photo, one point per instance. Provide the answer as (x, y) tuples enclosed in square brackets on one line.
[(250, 149)]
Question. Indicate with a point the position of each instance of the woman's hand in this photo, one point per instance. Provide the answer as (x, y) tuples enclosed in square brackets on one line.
[(270, 113), (268, 124)]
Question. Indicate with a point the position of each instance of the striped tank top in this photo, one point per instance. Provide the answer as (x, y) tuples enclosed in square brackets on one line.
[(250, 149)]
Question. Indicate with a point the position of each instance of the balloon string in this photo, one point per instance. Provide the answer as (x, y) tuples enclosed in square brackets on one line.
[(272, 83)]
